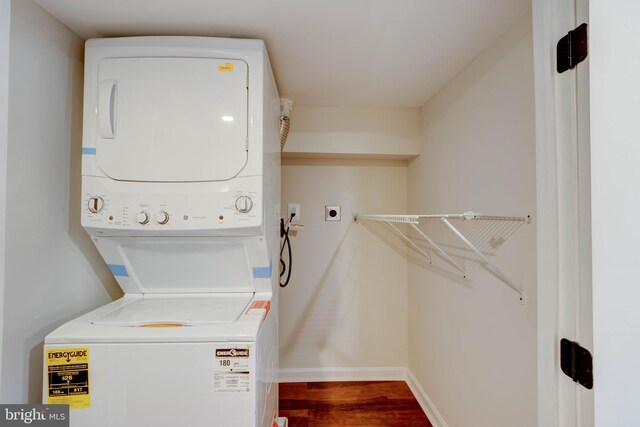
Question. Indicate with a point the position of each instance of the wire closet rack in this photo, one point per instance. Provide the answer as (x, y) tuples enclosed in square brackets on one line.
[(456, 225)]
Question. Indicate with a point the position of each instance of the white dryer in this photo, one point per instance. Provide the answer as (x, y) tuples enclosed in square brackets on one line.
[(181, 196)]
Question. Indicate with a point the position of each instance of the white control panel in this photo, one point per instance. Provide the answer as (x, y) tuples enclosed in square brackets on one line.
[(211, 206)]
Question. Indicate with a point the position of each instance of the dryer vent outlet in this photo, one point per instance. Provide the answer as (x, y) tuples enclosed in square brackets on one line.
[(332, 213)]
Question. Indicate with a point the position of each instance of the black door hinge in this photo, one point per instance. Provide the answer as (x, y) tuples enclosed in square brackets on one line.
[(576, 362), (572, 49)]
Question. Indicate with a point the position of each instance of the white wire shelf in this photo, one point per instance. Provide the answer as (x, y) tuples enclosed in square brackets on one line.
[(510, 225)]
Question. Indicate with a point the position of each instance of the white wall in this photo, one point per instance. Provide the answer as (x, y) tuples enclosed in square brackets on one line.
[(346, 305), (614, 39), (472, 347), (5, 14), (53, 273)]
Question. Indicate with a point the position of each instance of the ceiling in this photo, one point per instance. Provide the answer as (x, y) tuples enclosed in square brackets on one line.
[(382, 53)]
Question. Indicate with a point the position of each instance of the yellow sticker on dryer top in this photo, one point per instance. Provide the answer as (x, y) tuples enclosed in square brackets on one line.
[(227, 67), (68, 376)]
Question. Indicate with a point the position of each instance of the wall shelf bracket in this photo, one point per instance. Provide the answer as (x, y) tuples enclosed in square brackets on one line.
[(413, 222)]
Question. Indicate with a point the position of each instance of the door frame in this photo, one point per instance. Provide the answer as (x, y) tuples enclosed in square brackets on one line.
[(563, 194)]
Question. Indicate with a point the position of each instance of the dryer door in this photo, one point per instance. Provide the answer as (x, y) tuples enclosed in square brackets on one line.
[(171, 119)]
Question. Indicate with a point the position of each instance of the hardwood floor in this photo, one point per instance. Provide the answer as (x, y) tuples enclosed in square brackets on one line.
[(352, 403)]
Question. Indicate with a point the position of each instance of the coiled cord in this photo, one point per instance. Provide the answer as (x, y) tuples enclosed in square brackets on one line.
[(284, 232)]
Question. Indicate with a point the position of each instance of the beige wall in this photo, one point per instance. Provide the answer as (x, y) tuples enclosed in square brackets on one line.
[(53, 272), (472, 347), (346, 305), (5, 15)]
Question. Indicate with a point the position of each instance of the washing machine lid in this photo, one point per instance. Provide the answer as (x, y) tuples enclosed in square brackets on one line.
[(161, 311)]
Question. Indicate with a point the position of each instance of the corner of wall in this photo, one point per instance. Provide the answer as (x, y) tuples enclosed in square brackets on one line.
[(478, 153), (425, 402), (52, 268)]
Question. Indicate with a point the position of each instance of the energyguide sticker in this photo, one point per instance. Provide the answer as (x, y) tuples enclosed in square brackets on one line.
[(68, 377), (231, 371)]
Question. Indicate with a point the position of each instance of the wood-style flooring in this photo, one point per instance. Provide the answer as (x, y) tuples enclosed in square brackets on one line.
[(352, 403)]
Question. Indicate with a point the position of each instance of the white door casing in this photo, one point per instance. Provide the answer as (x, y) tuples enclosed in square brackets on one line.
[(564, 215)]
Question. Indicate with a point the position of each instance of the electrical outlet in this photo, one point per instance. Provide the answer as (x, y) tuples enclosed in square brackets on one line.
[(294, 208), (332, 213)]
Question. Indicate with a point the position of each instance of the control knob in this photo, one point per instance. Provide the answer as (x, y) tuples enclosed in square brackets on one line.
[(162, 217), (96, 204), (142, 217), (244, 204)]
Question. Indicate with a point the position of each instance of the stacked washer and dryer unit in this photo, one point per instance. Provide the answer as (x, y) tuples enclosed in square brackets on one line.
[(181, 196)]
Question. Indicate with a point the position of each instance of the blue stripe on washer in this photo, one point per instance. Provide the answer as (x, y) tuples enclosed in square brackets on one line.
[(262, 272), (88, 150), (118, 270)]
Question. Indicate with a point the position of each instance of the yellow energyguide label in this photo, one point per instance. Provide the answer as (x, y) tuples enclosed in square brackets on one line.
[(226, 67), (68, 376)]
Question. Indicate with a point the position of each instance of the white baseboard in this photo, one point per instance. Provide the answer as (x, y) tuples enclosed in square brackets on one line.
[(367, 374), (342, 374), (423, 399)]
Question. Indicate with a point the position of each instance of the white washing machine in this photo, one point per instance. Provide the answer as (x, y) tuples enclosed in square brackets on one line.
[(181, 196)]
